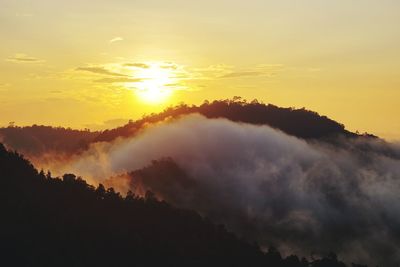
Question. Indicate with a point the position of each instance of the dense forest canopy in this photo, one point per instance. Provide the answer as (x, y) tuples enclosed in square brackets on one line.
[(39, 139), (298, 122), (51, 221)]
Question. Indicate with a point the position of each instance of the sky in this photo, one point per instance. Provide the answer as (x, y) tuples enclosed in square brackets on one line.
[(97, 64)]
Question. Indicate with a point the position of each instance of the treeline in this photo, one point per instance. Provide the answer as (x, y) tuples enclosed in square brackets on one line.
[(37, 140), (50, 221), (297, 122)]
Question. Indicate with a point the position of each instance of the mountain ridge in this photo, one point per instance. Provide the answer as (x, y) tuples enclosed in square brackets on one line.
[(37, 140)]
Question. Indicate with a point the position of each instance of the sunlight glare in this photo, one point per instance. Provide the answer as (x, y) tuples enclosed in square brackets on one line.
[(154, 86)]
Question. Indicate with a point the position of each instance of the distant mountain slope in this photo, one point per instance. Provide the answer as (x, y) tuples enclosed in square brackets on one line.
[(38, 140), (66, 222)]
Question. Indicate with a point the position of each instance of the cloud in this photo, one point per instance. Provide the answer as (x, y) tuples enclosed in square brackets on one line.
[(172, 84), (22, 58), (212, 71), (137, 65), (4, 87), (267, 186), (170, 66), (116, 39), (223, 71), (270, 66), (242, 74), (119, 80), (259, 70), (101, 70)]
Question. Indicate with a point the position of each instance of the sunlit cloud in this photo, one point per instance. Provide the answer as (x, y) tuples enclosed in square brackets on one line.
[(156, 81), (270, 66), (119, 80), (242, 74), (267, 70), (211, 72), (101, 70), (169, 65), (4, 87), (23, 58), (172, 84), (116, 39), (214, 72), (137, 65)]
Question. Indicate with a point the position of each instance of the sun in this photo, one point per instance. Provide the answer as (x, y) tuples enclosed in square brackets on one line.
[(155, 83)]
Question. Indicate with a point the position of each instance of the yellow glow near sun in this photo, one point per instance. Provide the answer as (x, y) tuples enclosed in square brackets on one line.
[(154, 86)]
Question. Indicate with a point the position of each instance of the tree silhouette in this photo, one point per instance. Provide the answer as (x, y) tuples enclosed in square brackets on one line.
[(50, 221)]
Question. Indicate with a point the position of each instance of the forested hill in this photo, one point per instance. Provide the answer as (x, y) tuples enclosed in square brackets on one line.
[(298, 122), (65, 222), (49, 221), (38, 140)]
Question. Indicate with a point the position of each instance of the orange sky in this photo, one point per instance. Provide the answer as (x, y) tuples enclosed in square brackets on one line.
[(99, 63)]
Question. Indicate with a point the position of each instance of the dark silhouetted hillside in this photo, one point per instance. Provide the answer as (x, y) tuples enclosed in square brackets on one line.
[(35, 141), (298, 122), (38, 140), (50, 221)]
